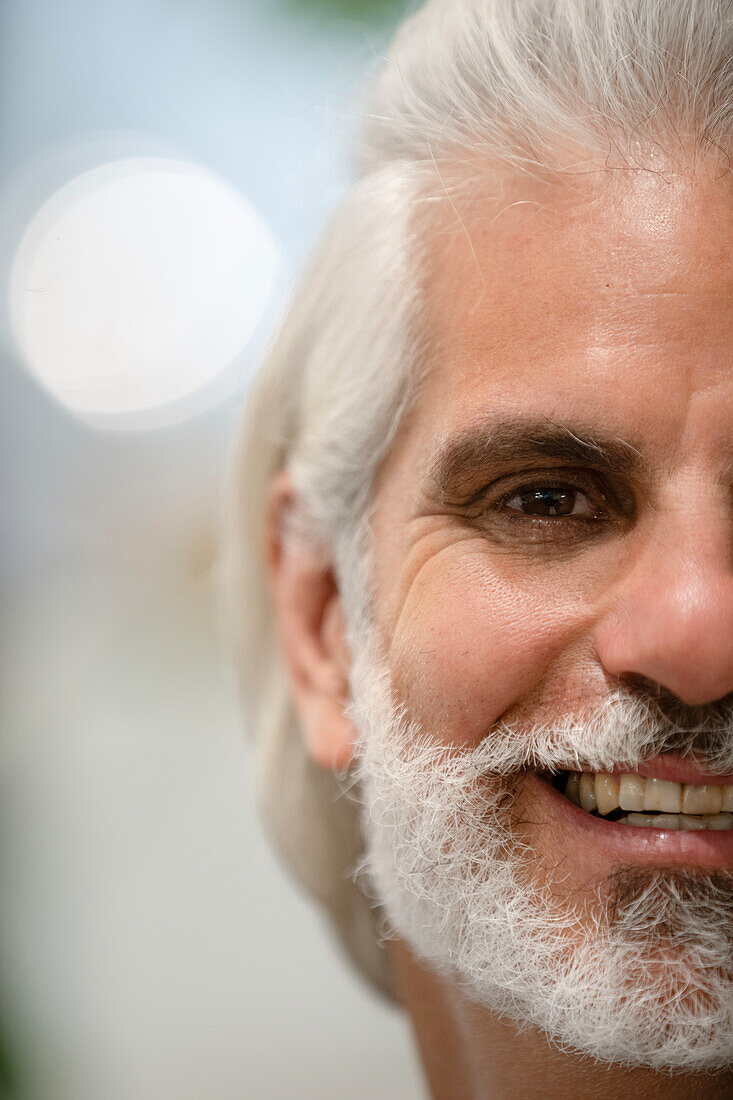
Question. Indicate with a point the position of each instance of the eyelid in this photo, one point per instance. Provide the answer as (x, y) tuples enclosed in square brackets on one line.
[(577, 480), (511, 526)]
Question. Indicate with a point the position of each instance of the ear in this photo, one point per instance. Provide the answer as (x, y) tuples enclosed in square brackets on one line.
[(311, 631)]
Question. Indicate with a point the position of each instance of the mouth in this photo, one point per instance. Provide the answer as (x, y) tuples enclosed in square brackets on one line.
[(625, 819), (649, 802)]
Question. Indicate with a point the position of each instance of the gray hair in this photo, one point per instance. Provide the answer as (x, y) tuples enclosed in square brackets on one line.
[(530, 86)]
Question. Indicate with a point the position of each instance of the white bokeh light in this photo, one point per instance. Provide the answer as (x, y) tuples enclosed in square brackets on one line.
[(136, 286)]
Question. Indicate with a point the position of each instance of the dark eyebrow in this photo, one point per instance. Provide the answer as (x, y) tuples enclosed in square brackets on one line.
[(474, 450)]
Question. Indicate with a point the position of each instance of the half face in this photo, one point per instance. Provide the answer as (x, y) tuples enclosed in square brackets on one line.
[(555, 518)]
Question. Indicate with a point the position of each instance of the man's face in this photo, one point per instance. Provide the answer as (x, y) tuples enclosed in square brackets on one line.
[(555, 521)]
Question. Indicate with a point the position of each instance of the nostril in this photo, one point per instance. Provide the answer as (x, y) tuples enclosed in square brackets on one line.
[(644, 685), (685, 717)]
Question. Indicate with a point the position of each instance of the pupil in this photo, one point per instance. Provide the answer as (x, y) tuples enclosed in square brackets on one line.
[(548, 502)]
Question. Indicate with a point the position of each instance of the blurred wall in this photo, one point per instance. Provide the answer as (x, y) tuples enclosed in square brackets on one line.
[(150, 946)]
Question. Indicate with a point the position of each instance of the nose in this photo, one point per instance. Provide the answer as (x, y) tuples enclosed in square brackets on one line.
[(672, 622)]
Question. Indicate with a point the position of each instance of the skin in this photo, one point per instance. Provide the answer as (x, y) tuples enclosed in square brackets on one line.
[(603, 305)]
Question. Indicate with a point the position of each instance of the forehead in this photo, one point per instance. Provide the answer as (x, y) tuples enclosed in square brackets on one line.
[(566, 299)]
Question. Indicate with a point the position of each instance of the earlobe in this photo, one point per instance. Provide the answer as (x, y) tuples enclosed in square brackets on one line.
[(329, 734), (311, 632)]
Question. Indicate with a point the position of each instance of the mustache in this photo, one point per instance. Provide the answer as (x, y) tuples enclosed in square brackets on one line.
[(628, 727), (633, 723)]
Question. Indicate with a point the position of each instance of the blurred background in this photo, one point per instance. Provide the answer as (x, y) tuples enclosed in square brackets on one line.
[(165, 166)]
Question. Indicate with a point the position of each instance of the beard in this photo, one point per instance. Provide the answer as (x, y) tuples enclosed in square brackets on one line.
[(641, 975)]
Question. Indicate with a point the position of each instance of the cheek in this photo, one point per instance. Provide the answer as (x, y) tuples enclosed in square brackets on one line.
[(472, 640)]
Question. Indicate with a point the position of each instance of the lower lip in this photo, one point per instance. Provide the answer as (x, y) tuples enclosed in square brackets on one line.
[(705, 848)]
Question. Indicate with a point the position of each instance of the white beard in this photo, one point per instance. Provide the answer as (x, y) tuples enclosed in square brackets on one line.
[(642, 977)]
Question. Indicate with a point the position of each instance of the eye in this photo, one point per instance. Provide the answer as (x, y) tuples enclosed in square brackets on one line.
[(550, 500), (553, 508)]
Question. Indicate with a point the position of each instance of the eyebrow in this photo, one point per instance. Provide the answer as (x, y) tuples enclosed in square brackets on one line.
[(495, 443)]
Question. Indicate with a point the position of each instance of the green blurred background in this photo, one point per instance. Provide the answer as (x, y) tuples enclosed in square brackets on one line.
[(377, 11)]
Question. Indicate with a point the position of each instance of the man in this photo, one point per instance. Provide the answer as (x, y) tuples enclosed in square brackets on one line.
[(488, 470)]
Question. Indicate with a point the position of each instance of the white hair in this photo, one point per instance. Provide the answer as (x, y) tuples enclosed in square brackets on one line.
[(534, 86), (639, 972)]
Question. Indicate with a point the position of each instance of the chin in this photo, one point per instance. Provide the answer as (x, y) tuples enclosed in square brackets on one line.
[(647, 983), (638, 974)]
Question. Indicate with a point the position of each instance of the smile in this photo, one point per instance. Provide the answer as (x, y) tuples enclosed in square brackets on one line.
[(649, 802), (624, 836)]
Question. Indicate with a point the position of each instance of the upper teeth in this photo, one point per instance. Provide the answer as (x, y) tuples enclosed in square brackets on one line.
[(605, 794)]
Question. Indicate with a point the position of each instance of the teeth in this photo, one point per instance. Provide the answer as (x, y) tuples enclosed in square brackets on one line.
[(606, 794), (666, 821), (587, 792), (701, 800), (572, 788), (664, 796), (653, 821), (679, 821), (641, 821), (631, 792), (665, 805)]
